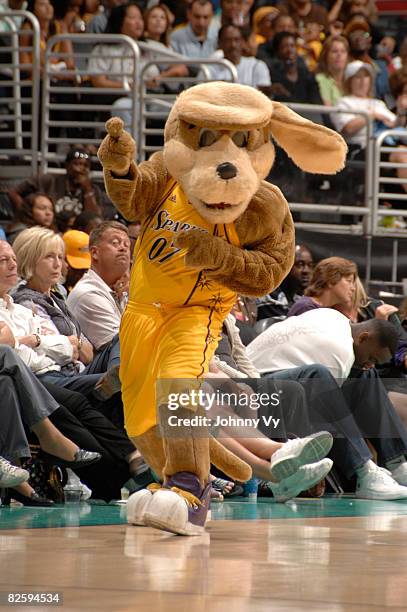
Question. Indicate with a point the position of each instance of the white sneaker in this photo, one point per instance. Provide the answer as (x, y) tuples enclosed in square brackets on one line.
[(10, 475), (400, 474), (306, 477), (377, 483), (300, 451)]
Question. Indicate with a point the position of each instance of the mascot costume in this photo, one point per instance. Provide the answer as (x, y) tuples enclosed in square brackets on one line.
[(212, 228)]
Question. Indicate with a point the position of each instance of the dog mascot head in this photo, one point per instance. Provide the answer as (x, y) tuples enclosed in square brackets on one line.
[(218, 146)]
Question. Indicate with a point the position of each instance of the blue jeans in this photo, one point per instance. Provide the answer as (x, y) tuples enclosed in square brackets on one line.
[(106, 358)]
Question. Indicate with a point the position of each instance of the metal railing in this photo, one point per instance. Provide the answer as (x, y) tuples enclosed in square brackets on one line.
[(73, 109), (20, 85), (381, 212)]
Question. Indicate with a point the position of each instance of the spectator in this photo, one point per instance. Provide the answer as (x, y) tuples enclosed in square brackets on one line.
[(54, 349), (111, 67), (72, 192), (336, 28), (236, 12), (331, 69), (44, 12), (332, 284), (157, 24), (304, 11), (37, 209), (266, 51), (199, 37), (49, 412), (364, 308), (26, 402), (284, 23), (263, 23), (289, 349), (358, 88), (87, 221), (77, 256), (277, 303), (250, 71), (291, 81), (310, 44), (98, 299), (362, 8), (70, 15), (358, 32), (385, 51)]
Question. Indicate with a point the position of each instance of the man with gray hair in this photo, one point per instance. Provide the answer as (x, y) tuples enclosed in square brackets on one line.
[(98, 299)]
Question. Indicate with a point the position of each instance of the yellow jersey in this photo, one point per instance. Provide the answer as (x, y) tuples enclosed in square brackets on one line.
[(159, 275)]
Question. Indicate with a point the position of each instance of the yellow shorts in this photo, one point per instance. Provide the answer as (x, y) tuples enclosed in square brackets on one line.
[(162, 343)]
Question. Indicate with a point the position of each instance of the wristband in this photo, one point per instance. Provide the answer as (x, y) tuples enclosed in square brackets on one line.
[(89, 194), (38, 339)]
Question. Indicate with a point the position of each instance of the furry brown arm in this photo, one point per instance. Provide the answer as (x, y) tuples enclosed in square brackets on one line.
[(134, 190), (137, 194), (266, 232)]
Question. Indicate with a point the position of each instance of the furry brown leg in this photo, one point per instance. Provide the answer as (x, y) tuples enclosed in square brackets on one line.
[(186, 446), (150, 445)]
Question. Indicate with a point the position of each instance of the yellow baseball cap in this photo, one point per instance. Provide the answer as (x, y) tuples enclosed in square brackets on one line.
[(77, 249)]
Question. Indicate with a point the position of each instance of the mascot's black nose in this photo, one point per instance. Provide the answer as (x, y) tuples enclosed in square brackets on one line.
[(226, 171)]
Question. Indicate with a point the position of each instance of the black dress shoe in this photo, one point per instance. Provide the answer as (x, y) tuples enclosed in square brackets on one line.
[(33, 500), (83, 458)]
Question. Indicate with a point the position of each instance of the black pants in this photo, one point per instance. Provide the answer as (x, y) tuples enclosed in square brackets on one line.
[(91, 430)]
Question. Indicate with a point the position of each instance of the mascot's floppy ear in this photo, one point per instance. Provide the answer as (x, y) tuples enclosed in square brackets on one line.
[(312, 147)]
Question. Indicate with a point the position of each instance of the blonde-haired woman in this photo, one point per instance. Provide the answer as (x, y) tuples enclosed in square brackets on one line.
[(40, 253)]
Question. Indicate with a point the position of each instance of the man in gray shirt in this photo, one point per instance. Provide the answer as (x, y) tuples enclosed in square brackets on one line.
[(199, 37)]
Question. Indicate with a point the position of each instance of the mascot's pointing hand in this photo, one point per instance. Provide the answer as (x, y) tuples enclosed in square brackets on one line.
[(118, 148)]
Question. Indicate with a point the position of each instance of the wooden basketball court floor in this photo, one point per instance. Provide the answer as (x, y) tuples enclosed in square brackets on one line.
[(330, 555)]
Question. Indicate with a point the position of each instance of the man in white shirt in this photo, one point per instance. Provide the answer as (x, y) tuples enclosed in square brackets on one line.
[(318, 349), (323, 336), (199, 37), (250, 70), (98, 299)]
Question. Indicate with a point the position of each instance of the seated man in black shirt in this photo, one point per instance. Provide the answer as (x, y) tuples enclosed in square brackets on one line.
[(291, 80), (278, 303)]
